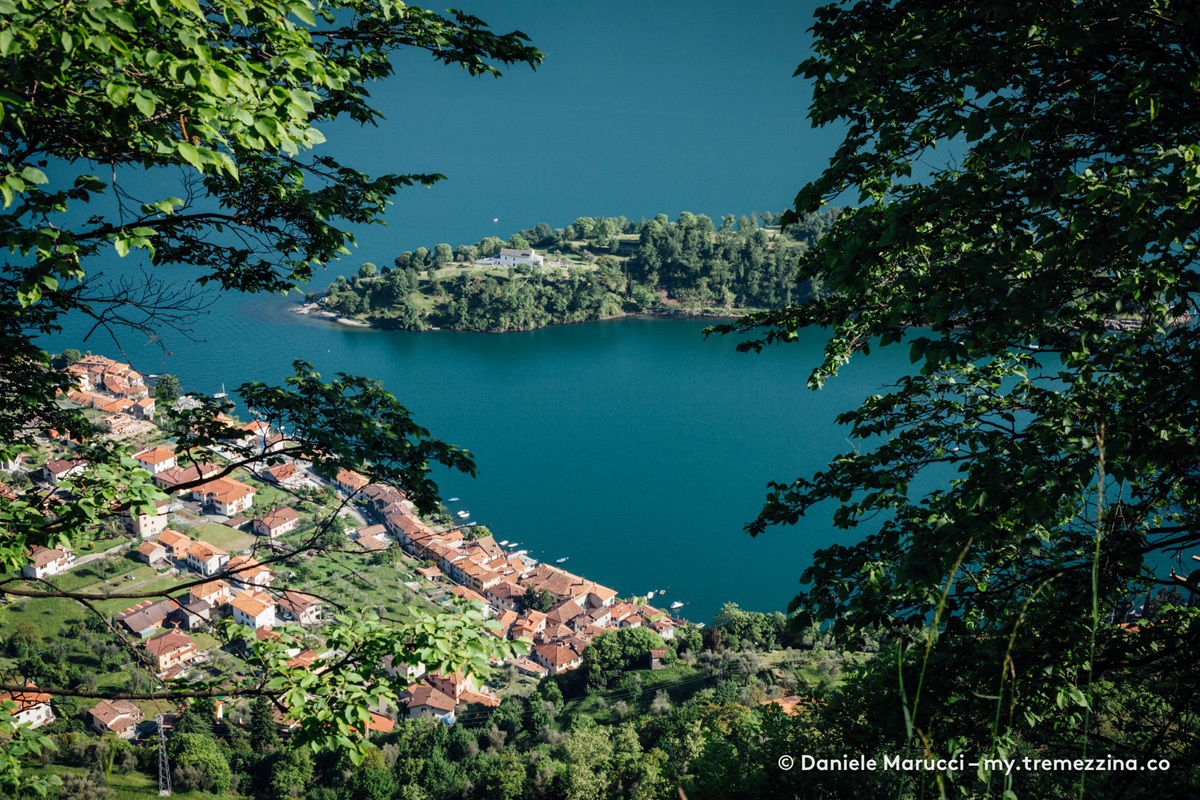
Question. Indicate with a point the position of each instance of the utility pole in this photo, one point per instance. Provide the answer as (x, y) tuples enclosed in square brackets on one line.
[(164, 769)]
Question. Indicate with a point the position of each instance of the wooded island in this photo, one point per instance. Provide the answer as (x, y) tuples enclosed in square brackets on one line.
[(596, 268)]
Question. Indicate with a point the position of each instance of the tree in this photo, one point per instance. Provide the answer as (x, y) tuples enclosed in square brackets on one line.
[(1017, 488), (367, 270), (442, 255), (219, 103), (264, 733), (537, 600), (198, 763), (166, 391), (67, 357)]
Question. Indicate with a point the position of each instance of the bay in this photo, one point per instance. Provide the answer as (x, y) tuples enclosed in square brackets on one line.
[(635, 447)]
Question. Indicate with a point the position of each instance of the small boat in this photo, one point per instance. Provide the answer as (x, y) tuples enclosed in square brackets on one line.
[(677, 604), (522, 552), (463, 515), (452, 500), (699, 624), (561, 560), (650, 595), (504, 543)]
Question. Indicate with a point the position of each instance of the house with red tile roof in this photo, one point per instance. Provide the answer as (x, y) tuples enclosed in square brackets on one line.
[(44, 562), (170, 649), (245, 572), (350, 481), (115, 716), (276, 523), (33, 707), (225, 495), (253, 609), (285, 474), (426, 701), (556, 658), (177, 544), (205, 558), (152, 553), (155, 459), (298, 607)]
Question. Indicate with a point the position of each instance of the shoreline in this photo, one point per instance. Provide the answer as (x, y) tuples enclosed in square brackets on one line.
[(316, 310)]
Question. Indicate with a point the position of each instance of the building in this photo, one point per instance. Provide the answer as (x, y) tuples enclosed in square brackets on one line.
[(426, 701), (33, 707), (205, 558), (298, 607), (115, 716), (152, 553), (144, 408), (146, 618), (510, 258), (287, 475), (214, 593), (175, 476), (148, 525), (555, 657), (246, 573), (170, 649), (57, 470), (44, 562), (156, 460), (350, 481), (177, 544), (526, 666), (277, 523), (225, 496), (253, 609)]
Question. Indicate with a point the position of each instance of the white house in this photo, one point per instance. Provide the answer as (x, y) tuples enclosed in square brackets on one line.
[(46, 562), (156, 459), (510, 258), (206, 559), (254, 609), (33, 707)]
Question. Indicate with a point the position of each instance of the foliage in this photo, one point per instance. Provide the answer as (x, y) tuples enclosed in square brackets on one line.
[(613, 652), (691, 260), (198, 763), (219, 103), (166, 392), (1015, 493), (536, 600)]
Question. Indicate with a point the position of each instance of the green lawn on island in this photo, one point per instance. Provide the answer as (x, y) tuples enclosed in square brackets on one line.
[(231, 540)]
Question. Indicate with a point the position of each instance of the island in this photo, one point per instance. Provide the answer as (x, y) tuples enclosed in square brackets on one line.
[(596, 268)]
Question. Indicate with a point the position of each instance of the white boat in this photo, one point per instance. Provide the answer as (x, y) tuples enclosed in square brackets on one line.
[(452, 500), (649, 595), (677, 604), (522, 552), (561, 560), (502, 544), (699, 624), (463, 515)]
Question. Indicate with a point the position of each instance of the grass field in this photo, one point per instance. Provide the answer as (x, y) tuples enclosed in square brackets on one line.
[(134, 785), (231, 540)]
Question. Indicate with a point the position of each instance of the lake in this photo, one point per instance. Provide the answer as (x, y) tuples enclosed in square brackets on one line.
[(634, 447)]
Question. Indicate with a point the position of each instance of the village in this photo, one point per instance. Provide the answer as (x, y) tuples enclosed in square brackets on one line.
[(211, 534)]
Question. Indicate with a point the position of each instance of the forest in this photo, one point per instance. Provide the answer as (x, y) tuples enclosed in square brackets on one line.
[(611, 267)]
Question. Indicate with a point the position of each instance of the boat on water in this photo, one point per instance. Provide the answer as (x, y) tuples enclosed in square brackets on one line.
[(677, 604), (699, 624), (463, 514), (522, 552), (502, 544), (649, 595), (561, 560), (452, 500)]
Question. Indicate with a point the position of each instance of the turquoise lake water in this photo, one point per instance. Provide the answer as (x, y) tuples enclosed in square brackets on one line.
[(634, 447)]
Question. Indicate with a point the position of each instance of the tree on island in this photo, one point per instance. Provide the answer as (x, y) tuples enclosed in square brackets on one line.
[(1020, 490), (221, 103)]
